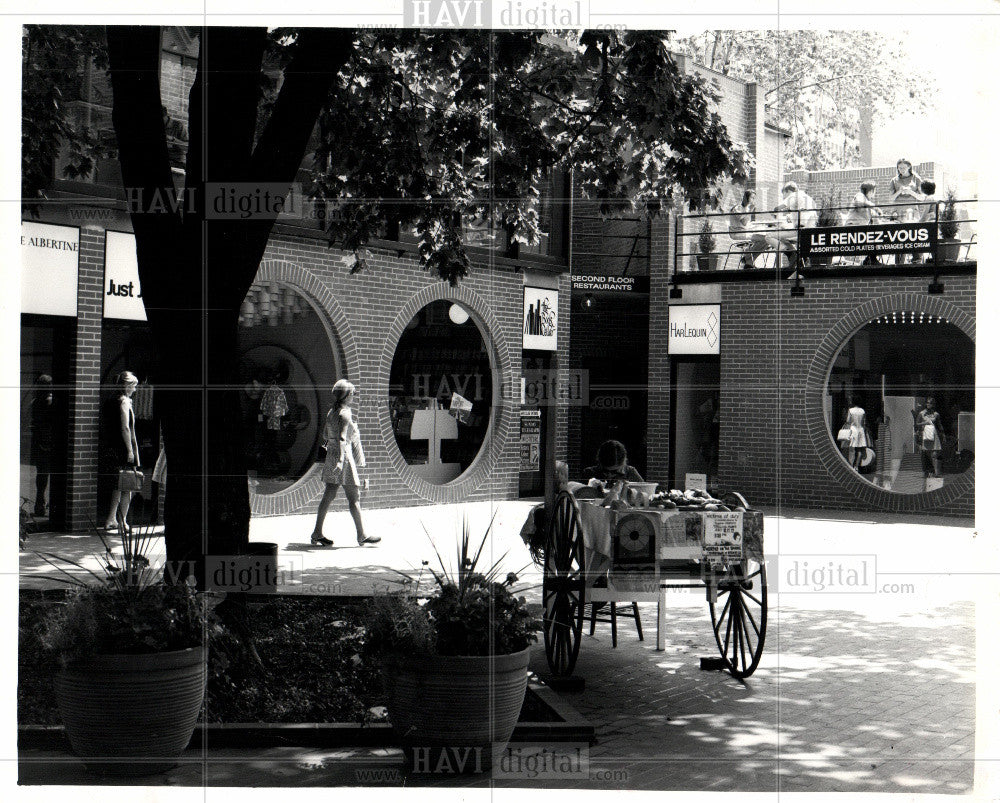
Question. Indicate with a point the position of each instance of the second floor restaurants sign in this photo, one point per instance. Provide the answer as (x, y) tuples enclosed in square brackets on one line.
[(875, 240)]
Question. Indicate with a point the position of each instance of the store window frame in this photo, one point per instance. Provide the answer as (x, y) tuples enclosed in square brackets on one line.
[(502, 410), (344, 348), (816, 383), (675, 360)]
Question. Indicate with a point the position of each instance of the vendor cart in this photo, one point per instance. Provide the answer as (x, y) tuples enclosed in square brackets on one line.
[(597, 554)]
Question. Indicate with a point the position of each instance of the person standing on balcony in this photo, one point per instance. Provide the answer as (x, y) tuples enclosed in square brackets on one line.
[(862, 212), (905, 189), (802, 213)]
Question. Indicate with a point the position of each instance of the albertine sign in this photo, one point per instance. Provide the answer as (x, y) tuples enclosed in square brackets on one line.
[(889, 238)]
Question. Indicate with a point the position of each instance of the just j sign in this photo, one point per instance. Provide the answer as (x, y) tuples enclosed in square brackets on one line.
[(889, 238)]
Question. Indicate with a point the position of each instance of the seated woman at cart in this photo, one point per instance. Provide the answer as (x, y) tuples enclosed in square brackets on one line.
[(612, 464)]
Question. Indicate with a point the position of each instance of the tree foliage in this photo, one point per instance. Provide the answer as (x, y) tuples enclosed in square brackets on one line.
[(54, 61), (822, 86)]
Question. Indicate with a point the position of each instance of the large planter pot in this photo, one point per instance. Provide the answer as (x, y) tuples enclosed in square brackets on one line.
[(948, 250), (455, 714), (132, 714), (708, 261)]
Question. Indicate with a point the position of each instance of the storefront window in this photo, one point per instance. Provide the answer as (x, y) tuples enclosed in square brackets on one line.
[(900, 402), (287, 367), (440, 392), (695, 401)]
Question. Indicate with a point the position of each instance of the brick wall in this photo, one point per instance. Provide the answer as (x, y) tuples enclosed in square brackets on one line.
[(821, 183), (368, 312), (776, 353)]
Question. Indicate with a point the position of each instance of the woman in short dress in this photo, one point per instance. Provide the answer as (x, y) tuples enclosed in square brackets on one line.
[(343, 456), (859, 440), (121, 448), (930, 432)]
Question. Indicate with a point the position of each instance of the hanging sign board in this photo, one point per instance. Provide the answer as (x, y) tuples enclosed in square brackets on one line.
[(694, 328), (50, 267), (122, 294), (888, 238), (540, 319)]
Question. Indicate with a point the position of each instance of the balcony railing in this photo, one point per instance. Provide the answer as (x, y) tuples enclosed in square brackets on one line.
[(919, 233)]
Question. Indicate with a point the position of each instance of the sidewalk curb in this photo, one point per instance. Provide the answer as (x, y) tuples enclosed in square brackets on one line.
[(572, 727)]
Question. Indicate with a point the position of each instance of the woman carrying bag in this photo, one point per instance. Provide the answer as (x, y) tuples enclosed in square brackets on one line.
[(343, 456), (121, 451)]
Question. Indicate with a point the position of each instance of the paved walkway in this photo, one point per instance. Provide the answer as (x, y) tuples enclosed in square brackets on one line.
[(863, 692)]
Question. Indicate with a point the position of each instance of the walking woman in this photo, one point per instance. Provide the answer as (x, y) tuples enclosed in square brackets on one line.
[(343, 456), (858, 441), (121, 448)]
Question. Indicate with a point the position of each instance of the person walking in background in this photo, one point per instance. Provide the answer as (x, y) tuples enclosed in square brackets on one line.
[(120, 449), (43, 423), (931, 433), (858, 441), (343, 457)]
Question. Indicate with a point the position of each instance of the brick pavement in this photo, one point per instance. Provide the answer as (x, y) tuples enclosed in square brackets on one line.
[(861, 693)]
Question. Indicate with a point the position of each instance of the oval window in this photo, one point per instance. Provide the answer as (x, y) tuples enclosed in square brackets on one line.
[(900, 402), (287, 367), (441, 392)]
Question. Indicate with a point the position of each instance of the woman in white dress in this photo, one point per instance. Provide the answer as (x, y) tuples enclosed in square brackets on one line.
[(859, 440), (343, 457)]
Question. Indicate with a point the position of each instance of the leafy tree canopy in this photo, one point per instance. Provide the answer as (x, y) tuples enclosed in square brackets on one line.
[(825, 87), (430, 129)]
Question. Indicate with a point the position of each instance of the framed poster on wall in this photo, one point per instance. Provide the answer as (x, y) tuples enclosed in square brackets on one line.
[(540, 318)]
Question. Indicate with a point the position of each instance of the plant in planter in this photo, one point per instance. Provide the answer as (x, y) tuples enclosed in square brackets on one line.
[(132, 651), (828, 215), (948, 242), (707, 259), (455, 668)]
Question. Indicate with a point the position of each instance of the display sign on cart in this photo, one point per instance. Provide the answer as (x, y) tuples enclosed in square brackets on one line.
[(723, 539)]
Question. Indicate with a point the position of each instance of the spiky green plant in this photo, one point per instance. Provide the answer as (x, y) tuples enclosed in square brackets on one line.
[(125, 607), (471, 612)]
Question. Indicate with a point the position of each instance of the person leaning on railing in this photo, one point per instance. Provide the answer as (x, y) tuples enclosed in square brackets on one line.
[(743, 228)]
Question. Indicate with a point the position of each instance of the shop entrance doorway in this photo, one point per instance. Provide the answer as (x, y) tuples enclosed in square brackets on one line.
[(694, 419)]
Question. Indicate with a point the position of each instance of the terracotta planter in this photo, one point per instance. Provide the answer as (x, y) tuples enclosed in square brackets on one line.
[(132, 714), (455, 714)]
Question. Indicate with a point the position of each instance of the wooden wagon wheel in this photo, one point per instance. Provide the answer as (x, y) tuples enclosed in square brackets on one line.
[(563, 586), (739, 615)]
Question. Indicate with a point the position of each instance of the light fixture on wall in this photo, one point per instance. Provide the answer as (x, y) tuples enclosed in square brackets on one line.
[(458, 314)]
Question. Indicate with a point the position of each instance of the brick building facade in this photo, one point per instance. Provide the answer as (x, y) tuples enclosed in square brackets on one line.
[(365, 314)]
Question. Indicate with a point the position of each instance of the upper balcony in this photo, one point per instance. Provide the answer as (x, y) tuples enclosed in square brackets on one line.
[(920, 238)]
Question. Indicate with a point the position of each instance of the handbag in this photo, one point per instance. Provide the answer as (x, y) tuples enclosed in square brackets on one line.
[(130, 479), (844, 434)]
